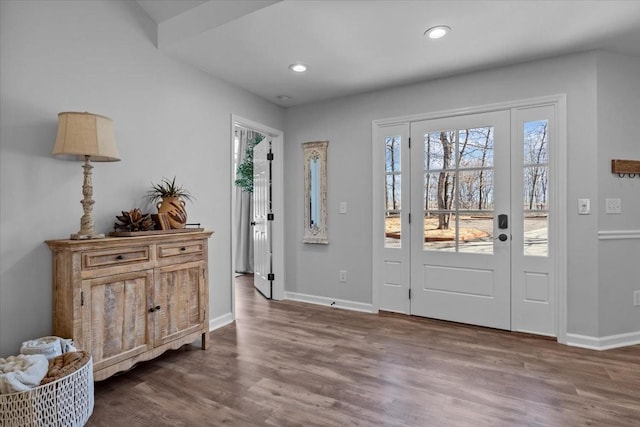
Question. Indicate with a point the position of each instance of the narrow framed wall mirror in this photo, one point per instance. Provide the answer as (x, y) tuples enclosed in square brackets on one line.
[(315, 192)]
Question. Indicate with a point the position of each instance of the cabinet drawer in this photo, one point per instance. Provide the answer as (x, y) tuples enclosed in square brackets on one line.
[(113, 257), (169, 250)]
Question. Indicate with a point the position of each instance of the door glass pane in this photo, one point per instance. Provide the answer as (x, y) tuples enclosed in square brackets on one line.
[(476, 147), (392, 154), (458, 183), (476, 233), (440, 231), (536, 188), (475, 207), (439, 191), (475, 189), (392, 194), (439, 150)]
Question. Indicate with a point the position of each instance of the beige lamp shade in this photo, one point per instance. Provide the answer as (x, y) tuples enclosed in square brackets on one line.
[(86, 134)]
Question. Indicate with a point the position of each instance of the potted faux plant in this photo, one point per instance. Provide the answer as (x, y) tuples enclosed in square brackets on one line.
[(170, 199)]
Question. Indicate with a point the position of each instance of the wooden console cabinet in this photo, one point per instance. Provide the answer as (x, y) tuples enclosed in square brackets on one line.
[(129, 299)]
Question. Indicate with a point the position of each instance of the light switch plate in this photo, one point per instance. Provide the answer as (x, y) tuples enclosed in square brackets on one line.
[(584, 206), (612, 206)]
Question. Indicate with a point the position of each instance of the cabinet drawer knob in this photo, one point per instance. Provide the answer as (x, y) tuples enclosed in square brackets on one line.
[(119, 257), (183, 249), (151, 310), (158, 307)]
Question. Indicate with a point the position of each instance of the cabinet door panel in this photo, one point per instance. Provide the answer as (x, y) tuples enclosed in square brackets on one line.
[(115, 311), (179, 292)]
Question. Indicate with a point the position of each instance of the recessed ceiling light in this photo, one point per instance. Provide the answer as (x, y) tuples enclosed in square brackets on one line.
[(298, 67), (283, 97), (437, 32)]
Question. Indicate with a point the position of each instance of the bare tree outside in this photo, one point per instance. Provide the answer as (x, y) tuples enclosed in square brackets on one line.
[(392, 146), (392, 193), (535, 159)]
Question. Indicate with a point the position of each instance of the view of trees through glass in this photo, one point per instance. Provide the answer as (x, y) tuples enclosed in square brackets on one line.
[(458, 188), (458, 196), (536, 188), (392, 194)]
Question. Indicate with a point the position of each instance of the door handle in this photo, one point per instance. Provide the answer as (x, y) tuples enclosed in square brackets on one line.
[(253, 223), (503, 237), (503, 221)]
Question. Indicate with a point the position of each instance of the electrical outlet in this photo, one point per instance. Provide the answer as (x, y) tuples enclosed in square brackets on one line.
[(636, 298), (612, 206), (343, 275), (343, 207)]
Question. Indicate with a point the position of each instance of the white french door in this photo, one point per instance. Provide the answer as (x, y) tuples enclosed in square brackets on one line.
[(262, 210), (467, 231)]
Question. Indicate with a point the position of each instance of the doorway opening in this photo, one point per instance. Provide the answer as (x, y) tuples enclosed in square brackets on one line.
[(244, 260), (244, 141)]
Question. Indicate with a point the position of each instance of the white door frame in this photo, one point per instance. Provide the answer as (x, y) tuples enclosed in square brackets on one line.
[(558, 167), (277, 144)]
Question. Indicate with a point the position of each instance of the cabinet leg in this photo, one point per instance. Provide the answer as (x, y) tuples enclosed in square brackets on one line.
[(204, 341)]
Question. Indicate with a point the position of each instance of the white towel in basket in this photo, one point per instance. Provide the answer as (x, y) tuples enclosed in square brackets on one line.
[(49, 347), (22, 372)]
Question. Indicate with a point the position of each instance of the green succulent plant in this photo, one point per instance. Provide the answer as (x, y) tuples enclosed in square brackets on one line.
[(168, 188)]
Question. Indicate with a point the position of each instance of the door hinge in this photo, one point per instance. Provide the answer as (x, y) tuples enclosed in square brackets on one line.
[(409, 142), (270, 217), (81, 298), (409, 217), (269, 156), (409, 293)]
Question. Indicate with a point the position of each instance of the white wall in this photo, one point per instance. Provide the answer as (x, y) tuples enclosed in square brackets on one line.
[(346, 123), (170, 119), (618, 136)]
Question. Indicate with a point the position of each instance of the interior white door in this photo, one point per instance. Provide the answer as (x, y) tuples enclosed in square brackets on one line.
[(262, 248), (460, 211)]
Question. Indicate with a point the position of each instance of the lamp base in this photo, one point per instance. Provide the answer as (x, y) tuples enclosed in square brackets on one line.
[(79, 236)]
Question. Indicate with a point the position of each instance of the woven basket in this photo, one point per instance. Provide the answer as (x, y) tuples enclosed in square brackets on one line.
[(67, 401)]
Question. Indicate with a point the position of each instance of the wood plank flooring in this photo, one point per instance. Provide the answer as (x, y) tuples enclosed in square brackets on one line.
[(286, 363)]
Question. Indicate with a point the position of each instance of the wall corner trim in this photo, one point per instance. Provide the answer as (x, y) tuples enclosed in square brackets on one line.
[(604, 343), (331, 302)]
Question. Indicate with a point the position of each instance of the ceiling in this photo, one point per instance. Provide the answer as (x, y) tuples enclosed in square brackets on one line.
[(358, 46)]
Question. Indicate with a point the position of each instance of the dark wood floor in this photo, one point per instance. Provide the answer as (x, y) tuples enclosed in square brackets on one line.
[(293, 364)]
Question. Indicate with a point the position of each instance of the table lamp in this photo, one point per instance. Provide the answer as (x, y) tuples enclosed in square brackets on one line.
[(88, 137)]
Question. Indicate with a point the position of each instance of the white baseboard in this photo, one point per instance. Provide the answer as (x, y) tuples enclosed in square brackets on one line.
[(331, 302), (220, 321), (604, 343)]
